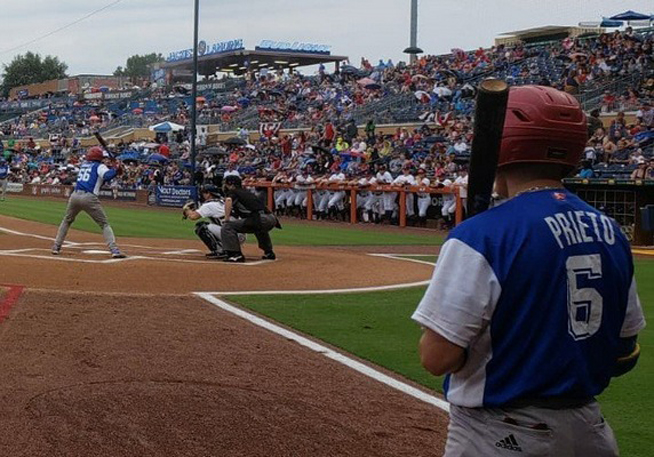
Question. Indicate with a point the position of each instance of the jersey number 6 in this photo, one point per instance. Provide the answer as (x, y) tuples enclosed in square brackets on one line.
[(584, 304)]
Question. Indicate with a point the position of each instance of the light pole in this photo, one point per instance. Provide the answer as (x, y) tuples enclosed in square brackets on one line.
[(413, 48), (194, 90)]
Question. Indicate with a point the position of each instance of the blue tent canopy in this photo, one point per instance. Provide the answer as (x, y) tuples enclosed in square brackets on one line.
[(166, 126), (129, 155), (631, 16), (606, 22), (157, 158)]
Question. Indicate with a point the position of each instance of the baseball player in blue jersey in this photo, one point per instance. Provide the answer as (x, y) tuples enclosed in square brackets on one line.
[(4, 178), (532, 308), (92, 174)]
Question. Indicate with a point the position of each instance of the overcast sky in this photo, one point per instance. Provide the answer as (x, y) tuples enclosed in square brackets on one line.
[(355, 28)]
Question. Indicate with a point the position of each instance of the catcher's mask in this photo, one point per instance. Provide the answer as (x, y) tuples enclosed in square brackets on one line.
[(214, 191)]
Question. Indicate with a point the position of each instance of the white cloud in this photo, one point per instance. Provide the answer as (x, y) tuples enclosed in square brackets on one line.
[(374, 29)]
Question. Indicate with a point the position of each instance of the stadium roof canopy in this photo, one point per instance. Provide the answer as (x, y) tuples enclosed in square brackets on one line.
[(242, 61), (537, 31), (545, 33)]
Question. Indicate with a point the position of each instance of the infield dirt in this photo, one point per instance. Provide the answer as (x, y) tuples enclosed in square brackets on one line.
[(117, 358)]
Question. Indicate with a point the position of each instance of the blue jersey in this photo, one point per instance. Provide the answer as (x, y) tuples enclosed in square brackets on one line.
[(4, 171), (538, 290), (92, 175)]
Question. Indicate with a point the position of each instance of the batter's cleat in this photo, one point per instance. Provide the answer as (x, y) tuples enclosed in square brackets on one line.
[(116, 254), (234, 259), (216, 255), (269, 256), (55, 250)]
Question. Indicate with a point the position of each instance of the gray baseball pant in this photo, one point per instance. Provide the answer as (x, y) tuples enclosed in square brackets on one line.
[(90, 204), (233, 227), (529, 431)]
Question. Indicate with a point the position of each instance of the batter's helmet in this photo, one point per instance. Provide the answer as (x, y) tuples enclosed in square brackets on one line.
[(543, 125), (95, 154), (233, 180)]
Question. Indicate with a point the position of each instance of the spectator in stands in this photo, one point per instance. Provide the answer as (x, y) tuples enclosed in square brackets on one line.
[(608, 101), (640, 172), (586, 171), (590, 153), (621, 154), (594, 122), (572, 82), (618, 127), (370, 131), (645, 115), (461, 147), (609, 147), (650, 169), (637, 157)]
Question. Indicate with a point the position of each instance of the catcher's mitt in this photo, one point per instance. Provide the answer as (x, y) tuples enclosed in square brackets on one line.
[(190, 205)]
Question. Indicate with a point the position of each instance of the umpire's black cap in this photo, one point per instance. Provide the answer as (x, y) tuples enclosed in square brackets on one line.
[(233, 180)]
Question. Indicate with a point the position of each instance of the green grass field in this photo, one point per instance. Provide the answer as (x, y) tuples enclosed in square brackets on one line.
[(152, 223), (375, 326)]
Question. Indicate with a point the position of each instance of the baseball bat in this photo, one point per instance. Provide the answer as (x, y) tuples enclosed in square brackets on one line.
[(490, 110), (103, 143)]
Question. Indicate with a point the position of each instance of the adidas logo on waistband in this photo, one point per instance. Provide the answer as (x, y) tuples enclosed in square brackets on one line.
[(509, 443)]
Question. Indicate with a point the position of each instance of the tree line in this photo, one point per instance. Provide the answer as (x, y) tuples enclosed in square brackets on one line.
[(31, 68)]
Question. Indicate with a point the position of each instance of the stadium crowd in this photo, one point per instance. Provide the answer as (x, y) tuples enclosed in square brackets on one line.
[(331, 147)]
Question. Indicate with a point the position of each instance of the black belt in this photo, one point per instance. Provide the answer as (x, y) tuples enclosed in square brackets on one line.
[(551, 402)]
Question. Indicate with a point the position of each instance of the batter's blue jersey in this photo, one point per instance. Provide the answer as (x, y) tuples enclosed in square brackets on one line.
[(91, 176), (539, 290)]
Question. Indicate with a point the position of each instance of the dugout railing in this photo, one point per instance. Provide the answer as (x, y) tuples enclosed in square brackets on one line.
[(352, 190)]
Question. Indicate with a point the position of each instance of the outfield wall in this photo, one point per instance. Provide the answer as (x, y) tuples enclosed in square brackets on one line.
[(176, 196)]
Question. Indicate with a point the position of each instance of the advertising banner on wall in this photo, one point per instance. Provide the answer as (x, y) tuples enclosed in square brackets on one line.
[(15, 187), (174, 196), (118, 194), (47, 190)]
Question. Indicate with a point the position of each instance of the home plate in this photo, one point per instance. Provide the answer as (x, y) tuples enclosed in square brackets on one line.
[(95, 251), (181, 252)]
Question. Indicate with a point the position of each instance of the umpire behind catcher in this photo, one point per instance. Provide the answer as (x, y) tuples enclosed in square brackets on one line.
[(253, 216), (532, 307)]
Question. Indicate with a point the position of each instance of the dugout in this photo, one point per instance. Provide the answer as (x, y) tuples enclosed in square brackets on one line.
[(621, 199)]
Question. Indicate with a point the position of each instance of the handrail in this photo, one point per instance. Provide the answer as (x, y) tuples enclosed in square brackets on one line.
[(353, 189)]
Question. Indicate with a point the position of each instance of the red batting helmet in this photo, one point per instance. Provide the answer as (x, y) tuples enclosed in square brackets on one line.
[(94, 154), (543, 125)]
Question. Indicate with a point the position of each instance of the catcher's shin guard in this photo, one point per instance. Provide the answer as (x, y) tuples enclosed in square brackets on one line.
[(209, 239)]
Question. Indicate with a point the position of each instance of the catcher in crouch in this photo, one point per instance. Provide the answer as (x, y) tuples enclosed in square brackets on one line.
[(209, 231)]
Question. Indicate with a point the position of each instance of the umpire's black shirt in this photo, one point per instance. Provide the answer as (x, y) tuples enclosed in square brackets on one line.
[(245, 203)]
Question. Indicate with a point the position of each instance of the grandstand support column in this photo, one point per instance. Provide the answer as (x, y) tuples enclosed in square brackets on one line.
[(353, 206), (309, 204), (413, 39), (194, 90), (402, 215)]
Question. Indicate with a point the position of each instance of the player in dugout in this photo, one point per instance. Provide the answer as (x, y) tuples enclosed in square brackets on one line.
[(253, 217), (532, 307)]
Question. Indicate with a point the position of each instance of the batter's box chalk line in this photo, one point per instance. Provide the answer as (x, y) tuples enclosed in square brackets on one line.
[(314, 346)]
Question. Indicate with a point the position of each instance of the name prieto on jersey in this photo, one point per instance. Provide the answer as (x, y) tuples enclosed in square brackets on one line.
[(575, 227)]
